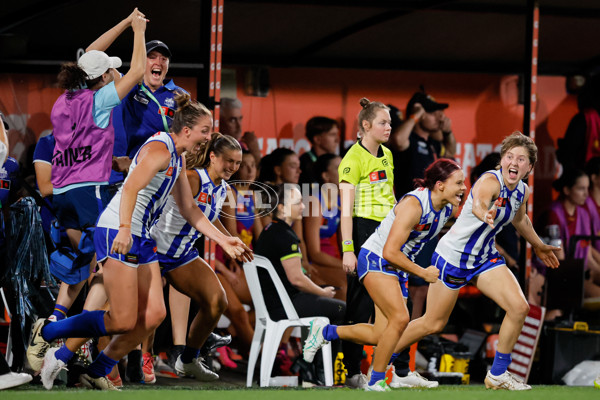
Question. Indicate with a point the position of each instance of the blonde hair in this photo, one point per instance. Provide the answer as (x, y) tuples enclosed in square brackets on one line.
[(188, 112), (217, 144), (368, 113), (517, 139)]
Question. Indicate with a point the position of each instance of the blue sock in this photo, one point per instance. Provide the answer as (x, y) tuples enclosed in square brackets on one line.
[(86, 325), (60, 312), (393, 358), (330, 332), (64, 354), (501, 363), (189, 354), (376, 377), (101, 366)]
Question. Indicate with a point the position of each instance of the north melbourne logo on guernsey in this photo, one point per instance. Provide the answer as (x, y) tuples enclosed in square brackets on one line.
[(169, 102)]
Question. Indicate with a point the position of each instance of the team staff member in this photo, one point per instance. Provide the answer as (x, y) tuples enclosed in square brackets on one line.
[(127, 253), (82, 128), (147, 108), (367, 195)]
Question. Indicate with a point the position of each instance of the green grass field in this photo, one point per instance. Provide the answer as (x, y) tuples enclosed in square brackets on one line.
[(471, 392)]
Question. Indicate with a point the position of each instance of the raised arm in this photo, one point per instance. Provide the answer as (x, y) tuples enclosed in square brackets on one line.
[(3, 141), (108, 37), (399, 139), (138, 58), (408, 213), (449, 139)]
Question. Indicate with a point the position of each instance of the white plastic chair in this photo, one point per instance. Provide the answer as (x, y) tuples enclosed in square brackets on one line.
[(268, 332)]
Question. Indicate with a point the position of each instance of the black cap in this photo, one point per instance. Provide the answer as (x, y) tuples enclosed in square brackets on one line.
[(428, 103), (4, 120), (158, 46)]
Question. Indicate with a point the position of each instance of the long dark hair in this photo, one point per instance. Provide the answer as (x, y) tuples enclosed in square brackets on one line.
[(439, 171), (270, 161), (72, 77), (567, 180), (321, 165)]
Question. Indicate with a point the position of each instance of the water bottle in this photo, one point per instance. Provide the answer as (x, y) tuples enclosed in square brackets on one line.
[(554, 235), (432, 366)]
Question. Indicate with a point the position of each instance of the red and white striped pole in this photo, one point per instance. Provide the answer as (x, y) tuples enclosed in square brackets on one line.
[(216, 47), (535, 28)]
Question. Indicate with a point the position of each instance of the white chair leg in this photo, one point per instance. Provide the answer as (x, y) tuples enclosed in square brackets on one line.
[(254, 352), (273, 336), (327, 364)]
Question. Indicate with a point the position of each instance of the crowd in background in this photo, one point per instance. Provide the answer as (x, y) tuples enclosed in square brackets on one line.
[(76, 178)]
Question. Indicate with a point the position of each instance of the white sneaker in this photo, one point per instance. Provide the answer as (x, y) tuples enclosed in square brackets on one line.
[(412, 380), (102, 383), (505, 381), (357, 381), (12, 379), (315, 339), (195, 369), (37, 346), (379, 386), (51, 368)]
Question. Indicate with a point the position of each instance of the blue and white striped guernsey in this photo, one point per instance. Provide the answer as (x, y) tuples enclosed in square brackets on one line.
[(174, 236), (471, 242), (150, 199), (430, 224)]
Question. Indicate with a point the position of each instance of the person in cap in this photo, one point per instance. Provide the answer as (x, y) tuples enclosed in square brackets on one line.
[(422, 138), (83, 131), (148, 108)]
